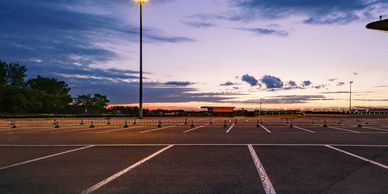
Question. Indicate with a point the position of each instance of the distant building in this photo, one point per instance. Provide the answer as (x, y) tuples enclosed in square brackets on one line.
[(219, 109)]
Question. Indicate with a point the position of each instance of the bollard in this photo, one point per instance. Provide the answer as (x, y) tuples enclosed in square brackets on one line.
[(192, 124), (91, 124), (211, 122), (325, 124), (13, 123), (82, 122), (57, 124), (225, 123), (134, 122), (185, 121), (159, 124), (235, 121), (291, 125), (108, 121), (261, 121), (125, 124), (257, 123)]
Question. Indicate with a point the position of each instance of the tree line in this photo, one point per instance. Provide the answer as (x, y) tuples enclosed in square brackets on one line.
[(42, 95)]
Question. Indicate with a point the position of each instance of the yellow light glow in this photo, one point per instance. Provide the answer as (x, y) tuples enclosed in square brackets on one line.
[(141, 1)]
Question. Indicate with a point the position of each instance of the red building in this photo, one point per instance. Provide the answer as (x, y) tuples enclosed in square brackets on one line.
[(219, 109)]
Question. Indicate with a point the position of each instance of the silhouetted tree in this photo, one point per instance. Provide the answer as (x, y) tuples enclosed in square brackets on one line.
[(53, 89), (15, 74), (3, 74), (92, 103)]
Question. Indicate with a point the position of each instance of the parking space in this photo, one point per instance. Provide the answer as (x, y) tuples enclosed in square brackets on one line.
[(320, 170), (192, 169), (70, 173)]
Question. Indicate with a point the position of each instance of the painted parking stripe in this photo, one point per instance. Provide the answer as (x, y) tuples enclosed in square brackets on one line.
[(193, 129), (268, 187), (45, 157), (373, 128), (116, 130), (115, 176), (303, 129), (341, 129), (156, 129), (230, 128), (359, 157), (265, 128)]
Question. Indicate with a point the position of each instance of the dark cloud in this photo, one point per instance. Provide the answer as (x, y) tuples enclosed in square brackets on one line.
[(50, 35), (314, 11), (199, 21), (179, 83), (319, 86), (372, 100), (228, 83), (307, 83), (288, 99), (332, 79), (266, 31), (272, 82), (250, 80), (340, 83), (128, 92)]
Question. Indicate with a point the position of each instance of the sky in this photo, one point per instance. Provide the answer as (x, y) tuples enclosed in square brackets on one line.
[(287, 54)]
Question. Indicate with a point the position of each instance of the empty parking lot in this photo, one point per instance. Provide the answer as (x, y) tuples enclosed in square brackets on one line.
[(194, 155)]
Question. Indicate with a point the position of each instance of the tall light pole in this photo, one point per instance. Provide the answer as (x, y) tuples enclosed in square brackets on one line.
[(350, 96), (141, 2)]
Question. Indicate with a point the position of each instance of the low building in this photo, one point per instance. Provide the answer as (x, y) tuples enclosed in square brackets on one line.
[(219, 109)]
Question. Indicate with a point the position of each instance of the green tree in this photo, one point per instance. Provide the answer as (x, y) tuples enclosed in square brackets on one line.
[(92, 103), (53, 89), (3, 73), (15, 74)]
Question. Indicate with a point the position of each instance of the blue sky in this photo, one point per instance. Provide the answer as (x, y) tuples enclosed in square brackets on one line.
[(285, 53)]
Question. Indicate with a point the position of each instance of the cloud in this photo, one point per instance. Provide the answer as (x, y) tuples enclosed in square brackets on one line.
[(266, 31), (45, 34), (332, 79), (228, 83), (313, 12), (252, 81), (340, 83), (179, 83), (307, 83), (287, 99), (272, 82), (199, 21)]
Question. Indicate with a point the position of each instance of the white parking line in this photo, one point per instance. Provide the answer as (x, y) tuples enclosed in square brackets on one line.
[(195, 128), (156, 129), (303, 129), (230, 128), (45, 157), (359, 157), (116, 130), (268, 187), (265, 128), (348, 130), (113, 177), (373, 128)]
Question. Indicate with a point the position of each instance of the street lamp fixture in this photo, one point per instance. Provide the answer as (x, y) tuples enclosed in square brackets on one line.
[(141, 2)]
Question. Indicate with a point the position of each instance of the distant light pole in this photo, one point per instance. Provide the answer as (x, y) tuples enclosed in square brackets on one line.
[(260, 109), (350, 96), (141, 2)]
